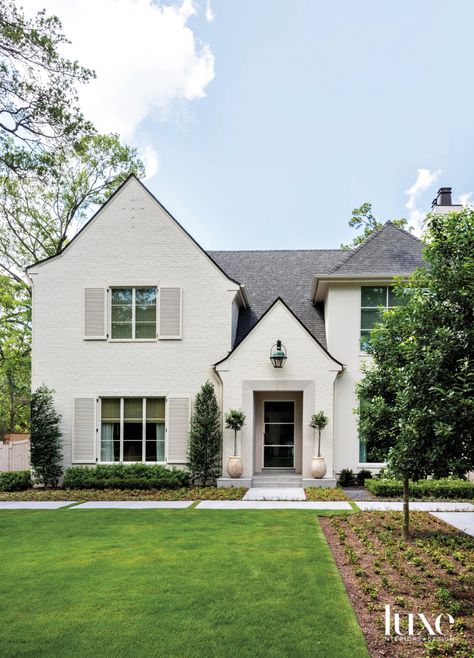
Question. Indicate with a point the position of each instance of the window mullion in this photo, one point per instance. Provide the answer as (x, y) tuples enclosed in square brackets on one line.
[(144, 430), (122, 407), (133, 313)]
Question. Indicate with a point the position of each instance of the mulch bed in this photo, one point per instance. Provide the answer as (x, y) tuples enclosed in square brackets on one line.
[(433, 573)]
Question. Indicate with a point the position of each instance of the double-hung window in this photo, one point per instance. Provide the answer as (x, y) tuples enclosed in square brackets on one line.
[(375, 300), (132, 430), (133, 315)]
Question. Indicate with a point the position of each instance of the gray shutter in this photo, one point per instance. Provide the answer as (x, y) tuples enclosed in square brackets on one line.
[(170, 309), (84, 431), (95, 307), (178, 430)]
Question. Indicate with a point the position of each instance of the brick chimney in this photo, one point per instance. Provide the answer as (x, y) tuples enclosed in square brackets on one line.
[(443, 203)]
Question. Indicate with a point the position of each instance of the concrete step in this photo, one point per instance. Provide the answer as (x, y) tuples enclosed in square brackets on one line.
[(267, 482)]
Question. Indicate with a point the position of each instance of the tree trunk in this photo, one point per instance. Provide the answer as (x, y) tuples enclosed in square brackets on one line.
[(235, 443), (406, 510), (319, 443)]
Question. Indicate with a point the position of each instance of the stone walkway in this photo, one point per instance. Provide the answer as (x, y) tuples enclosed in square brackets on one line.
[(135, 504), (461, 520), (418, 507), (273, 504), (258, 493), (34, 504)]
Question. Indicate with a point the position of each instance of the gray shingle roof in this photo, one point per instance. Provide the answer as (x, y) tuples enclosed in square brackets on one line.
[(390, 250), (286, 274), (289, 274)]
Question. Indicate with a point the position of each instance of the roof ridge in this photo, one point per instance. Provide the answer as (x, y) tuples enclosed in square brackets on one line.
[(271, 251), (370, 238)]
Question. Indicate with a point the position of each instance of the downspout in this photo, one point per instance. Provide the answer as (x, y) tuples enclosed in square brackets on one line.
[(221, 404)]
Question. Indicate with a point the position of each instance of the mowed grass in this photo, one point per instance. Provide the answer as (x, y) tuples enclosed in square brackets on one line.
[(184, 583)]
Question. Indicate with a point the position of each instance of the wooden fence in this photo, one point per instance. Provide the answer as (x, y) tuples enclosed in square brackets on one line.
[(15, 455)]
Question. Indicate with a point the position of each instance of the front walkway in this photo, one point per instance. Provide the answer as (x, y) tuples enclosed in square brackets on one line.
[(461, 520)]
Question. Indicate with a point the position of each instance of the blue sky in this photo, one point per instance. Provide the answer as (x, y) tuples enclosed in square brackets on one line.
[(296, 112)]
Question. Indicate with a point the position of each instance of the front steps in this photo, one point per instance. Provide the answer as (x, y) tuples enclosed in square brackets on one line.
[(276, 480)]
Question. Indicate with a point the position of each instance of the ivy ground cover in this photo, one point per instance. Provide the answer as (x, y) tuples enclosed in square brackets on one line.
[(432, 574), (191, 583)]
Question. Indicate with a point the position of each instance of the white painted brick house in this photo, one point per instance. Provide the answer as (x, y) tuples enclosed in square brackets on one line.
[(133, 316)]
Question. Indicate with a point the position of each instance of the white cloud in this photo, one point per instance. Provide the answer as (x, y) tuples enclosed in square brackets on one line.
[(147, 59), (424, 180), (466, 199), (210, 15), (150, 159)]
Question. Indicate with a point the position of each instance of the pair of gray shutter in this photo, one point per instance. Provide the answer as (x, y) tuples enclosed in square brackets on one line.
[(85, 428), (169, 313)]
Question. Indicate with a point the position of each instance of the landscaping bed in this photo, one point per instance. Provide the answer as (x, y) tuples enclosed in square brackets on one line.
[(423, 489), (430, 574), (319, 493), (184, 493)]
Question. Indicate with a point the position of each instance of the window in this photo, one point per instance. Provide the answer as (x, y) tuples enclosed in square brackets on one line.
[(133, 430), (133, 313), (375, 300)]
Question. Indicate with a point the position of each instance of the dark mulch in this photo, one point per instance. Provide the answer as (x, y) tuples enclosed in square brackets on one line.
[(430, 574)]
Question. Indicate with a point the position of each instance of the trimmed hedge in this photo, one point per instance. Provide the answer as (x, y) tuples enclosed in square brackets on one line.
[(422, 488), (121, 476), (15, 480)]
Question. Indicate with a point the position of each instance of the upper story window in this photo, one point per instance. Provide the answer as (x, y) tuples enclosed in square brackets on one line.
[(133, 313), (375, 300)]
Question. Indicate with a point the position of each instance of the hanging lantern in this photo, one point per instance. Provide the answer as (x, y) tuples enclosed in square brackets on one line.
[(278, 355)]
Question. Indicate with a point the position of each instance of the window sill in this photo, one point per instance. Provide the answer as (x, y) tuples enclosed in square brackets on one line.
[(133, 340), (371, 464), (131, 463)]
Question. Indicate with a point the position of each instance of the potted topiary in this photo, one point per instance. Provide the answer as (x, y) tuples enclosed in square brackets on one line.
[(318, 465), (235, 420)]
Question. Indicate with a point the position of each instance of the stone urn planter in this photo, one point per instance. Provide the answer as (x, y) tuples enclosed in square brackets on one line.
[(318, 468), (234, 467), (318, 422), (235, 420)]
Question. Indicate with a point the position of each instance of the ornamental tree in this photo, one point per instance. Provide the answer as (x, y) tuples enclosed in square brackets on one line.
[(46, 450), (235, 420), (205, 436), (418, 392), (318, 422)]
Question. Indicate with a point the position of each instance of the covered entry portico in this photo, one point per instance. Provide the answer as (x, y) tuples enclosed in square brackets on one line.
[(276, 444)]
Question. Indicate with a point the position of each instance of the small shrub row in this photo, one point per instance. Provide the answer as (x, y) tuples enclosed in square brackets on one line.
[(121, 476), (347, 478), (15, 480), (423, 488)]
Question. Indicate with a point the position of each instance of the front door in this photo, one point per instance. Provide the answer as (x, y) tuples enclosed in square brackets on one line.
[(278, 434)]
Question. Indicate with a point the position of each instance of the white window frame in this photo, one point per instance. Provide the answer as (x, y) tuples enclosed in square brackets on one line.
[(133, 289), (122, 407)]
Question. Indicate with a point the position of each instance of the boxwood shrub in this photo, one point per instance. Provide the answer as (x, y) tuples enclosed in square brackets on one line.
[(423, 488), (125, 476), (15, 480)]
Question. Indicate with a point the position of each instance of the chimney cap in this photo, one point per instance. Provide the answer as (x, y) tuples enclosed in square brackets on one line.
[(443, 197)]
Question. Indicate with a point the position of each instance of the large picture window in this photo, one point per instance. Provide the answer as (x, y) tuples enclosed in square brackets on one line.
[(132, 430), (133, 313), (375, 300)]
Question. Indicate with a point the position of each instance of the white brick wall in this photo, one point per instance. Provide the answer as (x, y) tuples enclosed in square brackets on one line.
[(307, 368), (132, 241)]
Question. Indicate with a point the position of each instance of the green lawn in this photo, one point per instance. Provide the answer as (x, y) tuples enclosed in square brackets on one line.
[(171, 583)]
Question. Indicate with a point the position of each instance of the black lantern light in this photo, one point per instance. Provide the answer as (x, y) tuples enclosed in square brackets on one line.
[(278, 355)]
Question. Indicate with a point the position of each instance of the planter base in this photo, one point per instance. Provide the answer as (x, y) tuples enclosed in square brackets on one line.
[(326, 483), (234, 482)]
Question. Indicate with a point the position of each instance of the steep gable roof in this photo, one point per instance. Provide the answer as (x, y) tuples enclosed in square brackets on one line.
[(389, 251), (288, 274)]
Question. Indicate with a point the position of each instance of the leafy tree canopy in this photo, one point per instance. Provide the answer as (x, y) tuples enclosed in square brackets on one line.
[(38, 99), (362, 218)]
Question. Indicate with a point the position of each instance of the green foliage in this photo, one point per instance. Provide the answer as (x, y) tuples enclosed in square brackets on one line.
[(38, 99), (125, 476), (362, 217), (15, 335), (346, 478), (205, 436), (46, 450), (417, 396), (235, 420), (445, 488), (363, 475), (15, 480), (319, 421)]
